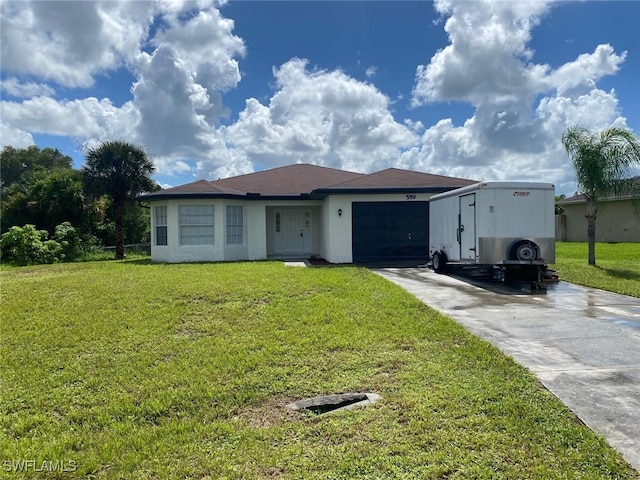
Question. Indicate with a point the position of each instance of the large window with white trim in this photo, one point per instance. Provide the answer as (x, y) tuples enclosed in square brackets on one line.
[(196, 224), (235, 225), (161, 225)]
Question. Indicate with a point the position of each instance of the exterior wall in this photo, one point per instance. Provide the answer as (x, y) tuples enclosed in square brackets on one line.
[(173, 252), (256, 228), (616, 222), (331, 233), (257, 235), (337, 229)]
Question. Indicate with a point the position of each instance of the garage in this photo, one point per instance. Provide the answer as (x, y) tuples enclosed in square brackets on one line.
[(390, 231)]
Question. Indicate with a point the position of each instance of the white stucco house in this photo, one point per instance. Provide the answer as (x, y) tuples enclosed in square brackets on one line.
[(297, 211)]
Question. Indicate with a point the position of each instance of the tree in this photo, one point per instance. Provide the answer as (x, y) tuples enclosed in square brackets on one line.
[(122, 171), (19, 165), (603, 163), (136, 224), (21, 168), (58, 198)]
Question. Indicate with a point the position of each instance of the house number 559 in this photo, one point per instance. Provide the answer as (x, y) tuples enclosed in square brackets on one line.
[(411, 196)]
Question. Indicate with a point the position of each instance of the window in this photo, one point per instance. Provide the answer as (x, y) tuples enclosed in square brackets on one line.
[(235, 225), (196, 224), (277, 222), (161, 225)]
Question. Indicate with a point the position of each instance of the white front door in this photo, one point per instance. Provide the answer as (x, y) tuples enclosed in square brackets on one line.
[(293, 232)]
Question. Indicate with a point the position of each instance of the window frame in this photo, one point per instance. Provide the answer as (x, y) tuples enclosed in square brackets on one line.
[(160, 223), (234, 224), (196, 222)]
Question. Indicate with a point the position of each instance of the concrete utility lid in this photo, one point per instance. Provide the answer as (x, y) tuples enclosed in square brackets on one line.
[(332, 403)]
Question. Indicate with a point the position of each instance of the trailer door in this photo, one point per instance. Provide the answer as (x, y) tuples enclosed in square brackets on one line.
[(467, 227)]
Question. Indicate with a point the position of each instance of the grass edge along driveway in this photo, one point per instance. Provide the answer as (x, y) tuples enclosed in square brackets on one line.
[(135, 370)]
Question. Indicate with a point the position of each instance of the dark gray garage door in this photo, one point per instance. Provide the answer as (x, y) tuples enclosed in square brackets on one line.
[(390, 231)]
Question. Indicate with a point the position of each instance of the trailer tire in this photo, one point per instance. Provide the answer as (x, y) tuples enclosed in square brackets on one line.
[(439, 262), (524, 251)]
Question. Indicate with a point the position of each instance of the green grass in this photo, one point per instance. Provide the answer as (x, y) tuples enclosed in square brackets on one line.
[(133, 370), (617, 266)]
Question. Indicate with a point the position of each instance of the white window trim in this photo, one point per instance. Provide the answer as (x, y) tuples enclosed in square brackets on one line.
[(241, 225), (158, 224), (196, 226)]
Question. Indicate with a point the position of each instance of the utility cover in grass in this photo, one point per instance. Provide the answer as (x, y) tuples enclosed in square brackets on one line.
[(332, 403)]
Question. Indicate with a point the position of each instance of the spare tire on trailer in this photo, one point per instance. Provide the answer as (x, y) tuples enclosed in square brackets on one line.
[(439, 261), (524, 251)]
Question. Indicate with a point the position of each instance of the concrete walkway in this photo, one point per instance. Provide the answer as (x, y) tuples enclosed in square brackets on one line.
[(582, 343)]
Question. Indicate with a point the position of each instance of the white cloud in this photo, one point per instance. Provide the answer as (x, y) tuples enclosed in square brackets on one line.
[(578, 77), (180, 84), (487, 57), (83, 118), (488, 64), (15, 88), (70, 42), (14, 137), (183, 56), (181, 74), (323, 117)]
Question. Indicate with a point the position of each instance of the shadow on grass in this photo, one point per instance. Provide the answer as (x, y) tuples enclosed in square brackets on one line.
[(620, 273), (138, 261)]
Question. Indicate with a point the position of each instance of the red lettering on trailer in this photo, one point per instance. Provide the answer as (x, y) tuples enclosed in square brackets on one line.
[(520, 194)]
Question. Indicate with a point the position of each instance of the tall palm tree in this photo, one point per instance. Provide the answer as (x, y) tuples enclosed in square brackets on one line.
[(603, 163), (122, 171)]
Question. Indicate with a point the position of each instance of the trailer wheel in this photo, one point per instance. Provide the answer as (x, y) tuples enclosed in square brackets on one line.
[(525, 251), (439, 262)]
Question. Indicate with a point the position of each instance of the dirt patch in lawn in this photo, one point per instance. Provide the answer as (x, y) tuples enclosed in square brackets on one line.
[(272, 411)]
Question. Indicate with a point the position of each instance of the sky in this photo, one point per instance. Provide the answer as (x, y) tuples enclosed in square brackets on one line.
[(477, 89)]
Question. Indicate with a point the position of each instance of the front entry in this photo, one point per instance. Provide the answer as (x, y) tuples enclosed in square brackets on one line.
[(292, 232)]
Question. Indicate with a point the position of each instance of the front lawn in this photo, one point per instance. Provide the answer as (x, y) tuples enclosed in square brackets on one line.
[(617, 266), (138, 371)]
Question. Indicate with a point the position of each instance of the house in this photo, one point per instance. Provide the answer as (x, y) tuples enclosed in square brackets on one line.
[(297, 211), (616, 220)]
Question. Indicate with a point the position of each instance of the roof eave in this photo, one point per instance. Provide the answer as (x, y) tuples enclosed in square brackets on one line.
[(202, 195), (321, 193)]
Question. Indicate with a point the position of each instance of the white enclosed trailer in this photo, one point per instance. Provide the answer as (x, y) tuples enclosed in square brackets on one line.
[(507, 224)]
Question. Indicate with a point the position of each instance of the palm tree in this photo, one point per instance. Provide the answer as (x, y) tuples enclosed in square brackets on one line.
[(603, 163), (122, 171)]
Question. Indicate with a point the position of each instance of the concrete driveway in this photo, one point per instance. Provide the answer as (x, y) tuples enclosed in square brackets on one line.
[(582, 343)]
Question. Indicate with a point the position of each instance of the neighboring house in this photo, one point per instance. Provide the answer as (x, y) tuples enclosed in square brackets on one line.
[(298, 211), (616, 220)]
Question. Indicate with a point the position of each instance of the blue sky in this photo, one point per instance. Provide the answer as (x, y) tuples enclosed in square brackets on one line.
[(476, 89)]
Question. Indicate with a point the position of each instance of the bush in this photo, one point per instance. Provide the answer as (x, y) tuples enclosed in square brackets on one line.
[(29, 246), (69, 239)]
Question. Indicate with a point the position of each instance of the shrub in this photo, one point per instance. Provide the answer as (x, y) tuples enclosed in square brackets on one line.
[(69, 239), (28, 246)]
